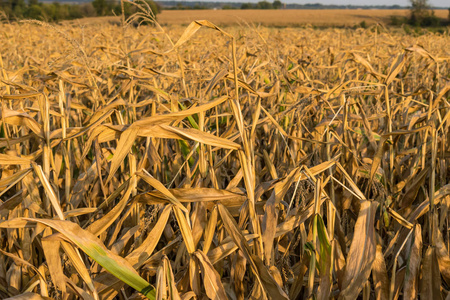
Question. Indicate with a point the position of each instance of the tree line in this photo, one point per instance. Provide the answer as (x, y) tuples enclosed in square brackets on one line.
[(187, 5), (53, 12), (263, 5), (421, 15)]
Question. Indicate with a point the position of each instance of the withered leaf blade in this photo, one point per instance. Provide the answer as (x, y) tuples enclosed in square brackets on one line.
[(185, 228), (176, 116), (380, 276), (140, 254), (103, 223), (160, 188), (395, 68), (362, 252), (6, 159), (171, 132), (79, 265), (442, 256), (49, 190), (430, 285), (260, 270), (411, 288), (325, 257), (211, 279), (123, 148), (28, 296), (200, 194), (170, 278), (90, 244), (51, 250)]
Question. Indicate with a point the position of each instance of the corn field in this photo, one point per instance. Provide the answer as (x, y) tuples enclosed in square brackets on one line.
[(244, 162)]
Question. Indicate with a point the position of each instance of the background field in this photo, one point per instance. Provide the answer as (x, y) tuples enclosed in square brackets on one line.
[(286, 17), (248, 162), (289, 17)]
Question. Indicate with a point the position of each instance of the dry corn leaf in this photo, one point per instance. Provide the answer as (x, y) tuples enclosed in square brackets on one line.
[(160, 188), (185, 228), (79, 265), (413, 188), (442, 256), (49, 190), (6, 159), (177, 116), (411, 289), (227, 247), (211, 279), (173, 292), (127, 139), (362, 252), (185, 195), (90, 244), (431, 280), (262, 274), (395, 68), (100, 225), (51, 247), (144, 251), (81, 293), (380, 276), (28, 296), (170, 132), (21, 119)]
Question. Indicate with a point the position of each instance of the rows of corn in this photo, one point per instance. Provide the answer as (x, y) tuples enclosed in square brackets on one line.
[(197, 162)]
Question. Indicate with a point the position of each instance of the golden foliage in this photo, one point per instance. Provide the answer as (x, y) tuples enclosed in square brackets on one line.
[(240, 163)]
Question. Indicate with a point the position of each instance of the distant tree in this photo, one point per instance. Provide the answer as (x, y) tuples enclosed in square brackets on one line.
[(87, 10), (5, 8), (18, 8), (100, 7), (419, 9), (277, 4), (75, 11), (154, 6), (34, 12), (246, 6), (199, 6), (421, 14), (264, 5), (56, 11), (130, 10)]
